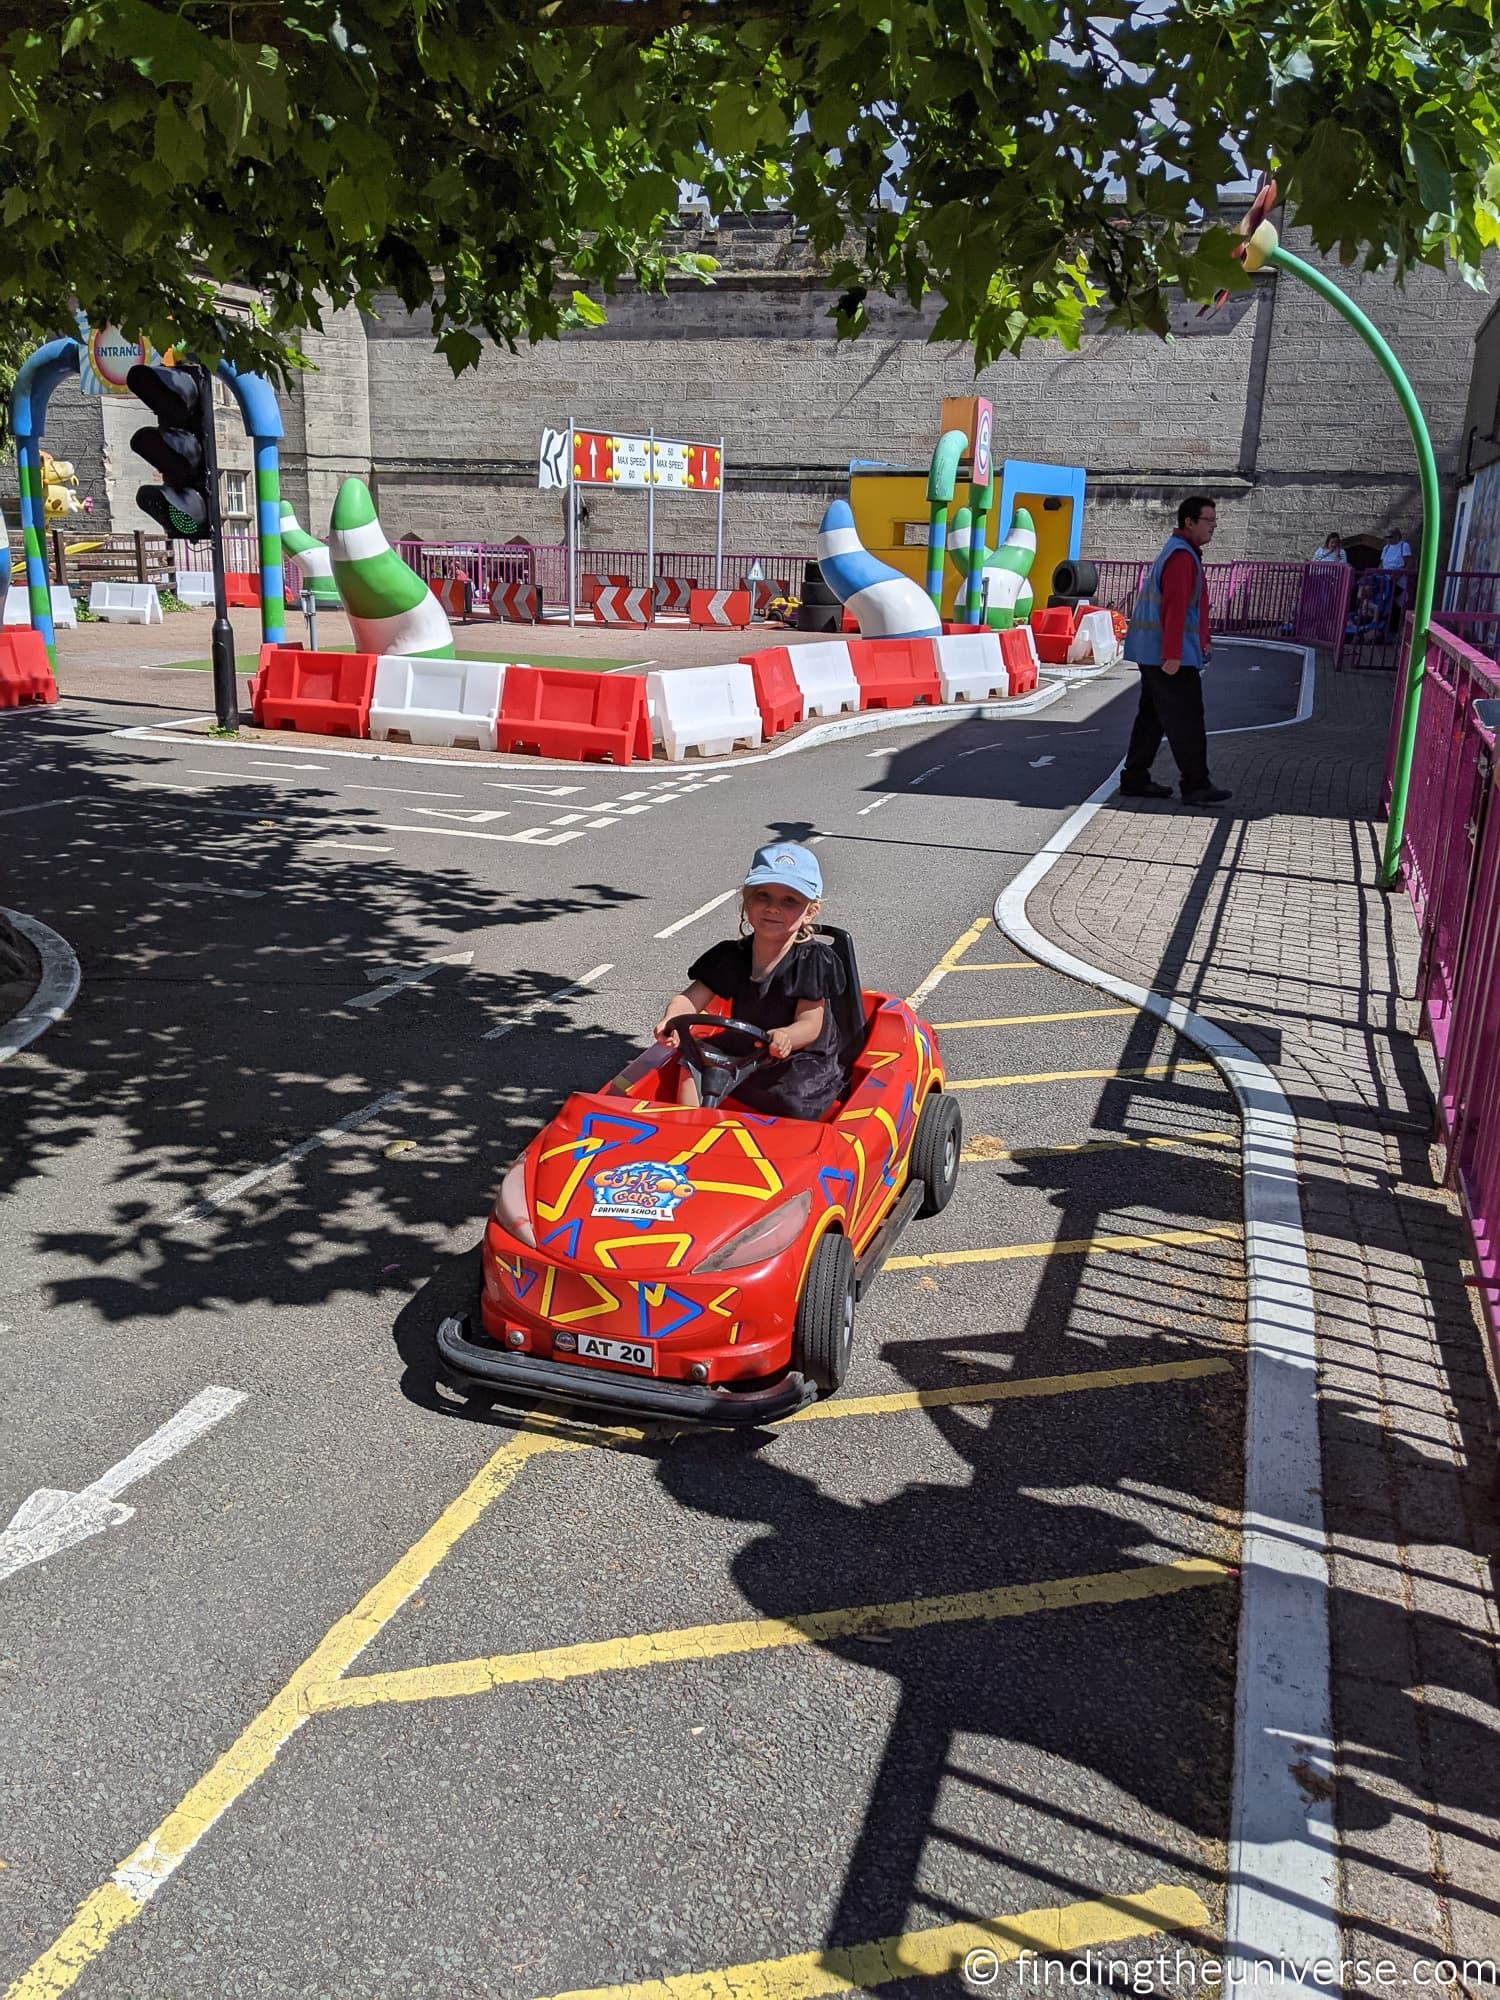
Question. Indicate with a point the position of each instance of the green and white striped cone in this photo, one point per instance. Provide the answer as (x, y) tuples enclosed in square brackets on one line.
[(311, 557), (390, 609), (1007, 594)]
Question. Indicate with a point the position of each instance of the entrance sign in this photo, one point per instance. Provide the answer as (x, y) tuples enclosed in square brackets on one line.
[(108, 356)]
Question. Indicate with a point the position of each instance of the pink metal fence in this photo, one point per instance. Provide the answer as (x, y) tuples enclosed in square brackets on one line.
[(1451, 861), (1304, 602), (546, 563)]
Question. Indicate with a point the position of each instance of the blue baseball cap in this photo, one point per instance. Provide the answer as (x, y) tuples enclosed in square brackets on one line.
[(790, 867)]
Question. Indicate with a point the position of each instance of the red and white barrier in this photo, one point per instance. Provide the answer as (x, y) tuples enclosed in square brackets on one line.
[(707, 709), (520, 603), (971, 667), (726, 609), (623, 604), (455, 594), (674, 594), (826, 676)]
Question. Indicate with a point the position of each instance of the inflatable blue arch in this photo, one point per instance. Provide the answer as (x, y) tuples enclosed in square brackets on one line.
[(258, 407)]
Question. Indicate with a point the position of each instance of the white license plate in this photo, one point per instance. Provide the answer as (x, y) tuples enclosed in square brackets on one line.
[(626, 1353)]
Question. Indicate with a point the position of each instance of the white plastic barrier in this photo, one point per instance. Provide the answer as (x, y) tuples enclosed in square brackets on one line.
[(707, 709), (196, 587), (18, 606), (1094, 641), (126, 603), (970, 666), (437, 701), (825, 675)]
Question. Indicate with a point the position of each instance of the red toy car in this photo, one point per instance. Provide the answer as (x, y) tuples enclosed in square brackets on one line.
[(705, 1263)]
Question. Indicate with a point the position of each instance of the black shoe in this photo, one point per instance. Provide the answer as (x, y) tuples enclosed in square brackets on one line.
[(1147, 791), (1207, 795)]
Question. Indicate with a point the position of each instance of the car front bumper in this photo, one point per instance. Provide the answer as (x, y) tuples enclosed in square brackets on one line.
[(472, 1361)]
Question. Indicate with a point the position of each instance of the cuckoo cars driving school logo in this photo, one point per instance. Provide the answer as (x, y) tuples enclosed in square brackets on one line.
[(646, 1191)]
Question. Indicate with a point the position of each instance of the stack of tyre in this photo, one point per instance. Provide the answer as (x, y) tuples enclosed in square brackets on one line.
[(820, 610)]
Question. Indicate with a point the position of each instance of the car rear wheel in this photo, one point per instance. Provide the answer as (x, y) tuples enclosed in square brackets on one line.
[(824, 1340), (935, 1151)]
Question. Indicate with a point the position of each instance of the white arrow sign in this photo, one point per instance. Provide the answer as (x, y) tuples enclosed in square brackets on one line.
[(51, 1520), (1040, 763), (412, 976)]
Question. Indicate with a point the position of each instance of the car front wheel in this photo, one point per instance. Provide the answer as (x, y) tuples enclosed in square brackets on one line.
[(936, 1150), (824, 1340)]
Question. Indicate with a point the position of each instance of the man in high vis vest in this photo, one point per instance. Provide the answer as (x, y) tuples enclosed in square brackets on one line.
[(1168, 640)]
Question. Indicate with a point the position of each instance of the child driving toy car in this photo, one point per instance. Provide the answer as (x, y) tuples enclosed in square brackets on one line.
[(778, 977)]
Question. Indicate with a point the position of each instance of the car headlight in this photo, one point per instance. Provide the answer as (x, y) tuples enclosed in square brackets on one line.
[(511, 1211), (767, 1235)]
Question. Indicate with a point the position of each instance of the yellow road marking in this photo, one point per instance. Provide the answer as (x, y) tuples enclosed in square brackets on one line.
[(927, 1954), (1011, 1389), (452, 1678), (1026, 1020), (1070, 1075), (949, 960), (983, 1147), (999, 965), (1078, 1246), (121, 1899)]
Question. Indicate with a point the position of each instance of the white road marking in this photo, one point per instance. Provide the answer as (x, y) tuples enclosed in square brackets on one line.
[(470, 815), (9, 812), (220, 1197), (552, 791), (1283, 1895), (1040, 763), (350, 846), (416, 791), (876, 806), (265, 764), (51, 1520), (923, 776), (411, 977), (693, 915), (534, 1007), (535, 836), (218, 889)]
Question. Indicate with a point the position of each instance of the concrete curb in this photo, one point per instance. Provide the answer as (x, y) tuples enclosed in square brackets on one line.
[(1283, 1901), (869, 722), (56, 990)]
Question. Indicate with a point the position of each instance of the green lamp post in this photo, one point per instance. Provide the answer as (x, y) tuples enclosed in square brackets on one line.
[(1263, 246)]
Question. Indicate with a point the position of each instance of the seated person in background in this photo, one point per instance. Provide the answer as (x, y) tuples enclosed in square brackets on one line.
[(779, 977), (1331, 551)]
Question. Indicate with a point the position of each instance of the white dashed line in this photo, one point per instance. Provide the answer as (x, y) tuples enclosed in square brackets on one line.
[(220, 1197), (534, 1007), (693, 915)]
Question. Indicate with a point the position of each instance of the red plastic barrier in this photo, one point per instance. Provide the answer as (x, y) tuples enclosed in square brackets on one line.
[(953, 629), (848, 623), (242, 588), (559, 713), (895, 673), (25, 671), (455, 594), (624, 604), (673, 595), (719, 609), (325, 694), (521, 603), (1053, 631), (591, 584), (1020, 666), (777, 695)]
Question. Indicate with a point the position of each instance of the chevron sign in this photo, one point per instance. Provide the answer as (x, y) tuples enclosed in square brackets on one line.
[(619, 604)]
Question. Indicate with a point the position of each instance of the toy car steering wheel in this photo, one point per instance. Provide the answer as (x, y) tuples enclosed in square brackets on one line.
[(715, 1070)]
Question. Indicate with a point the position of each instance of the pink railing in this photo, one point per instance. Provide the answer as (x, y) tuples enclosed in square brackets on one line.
[(1451, 861), (1304, 602), (546, 563)]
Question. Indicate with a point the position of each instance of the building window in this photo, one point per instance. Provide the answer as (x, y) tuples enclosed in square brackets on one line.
[(236, 496)]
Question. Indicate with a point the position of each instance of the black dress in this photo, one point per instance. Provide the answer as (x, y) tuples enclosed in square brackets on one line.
[(807, 1082)]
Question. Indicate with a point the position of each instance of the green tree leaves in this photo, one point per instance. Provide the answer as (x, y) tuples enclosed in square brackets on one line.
[(507, 163)]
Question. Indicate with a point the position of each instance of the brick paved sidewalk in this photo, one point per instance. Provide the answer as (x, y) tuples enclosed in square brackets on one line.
[(1266, 917)]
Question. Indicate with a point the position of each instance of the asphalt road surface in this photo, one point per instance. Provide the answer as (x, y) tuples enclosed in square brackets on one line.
[(381, 1695)]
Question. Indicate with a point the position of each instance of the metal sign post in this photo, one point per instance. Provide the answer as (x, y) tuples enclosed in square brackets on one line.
[(651, 510), (719, 526), (310, 613), (570, 508)]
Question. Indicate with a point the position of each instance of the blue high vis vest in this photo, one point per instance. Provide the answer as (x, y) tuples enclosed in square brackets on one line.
[(1143, 640)]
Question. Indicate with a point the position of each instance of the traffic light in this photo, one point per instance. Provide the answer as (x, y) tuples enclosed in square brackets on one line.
[(180, 449)]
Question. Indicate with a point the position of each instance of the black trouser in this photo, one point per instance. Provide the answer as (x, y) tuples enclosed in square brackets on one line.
[(1171, 706)]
